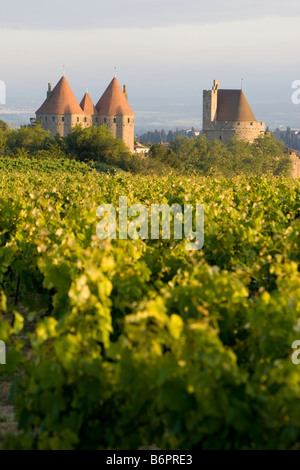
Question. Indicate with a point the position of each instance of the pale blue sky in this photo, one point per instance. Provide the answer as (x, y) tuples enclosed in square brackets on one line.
[(166, 51)]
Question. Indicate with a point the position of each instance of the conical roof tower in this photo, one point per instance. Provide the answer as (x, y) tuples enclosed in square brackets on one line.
[(113, 101), (233, 106), (61, 100), (87, 105)]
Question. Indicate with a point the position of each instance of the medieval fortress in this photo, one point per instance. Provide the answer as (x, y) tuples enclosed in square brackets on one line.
[(225, 113), (60, 112)]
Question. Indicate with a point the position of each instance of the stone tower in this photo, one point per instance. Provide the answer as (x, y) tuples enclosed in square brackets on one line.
[(210, 100), (227, 113), (90, 112), (60, 111), (115, 113)]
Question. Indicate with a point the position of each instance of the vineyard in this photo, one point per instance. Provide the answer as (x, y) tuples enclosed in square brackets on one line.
[(124, 344)]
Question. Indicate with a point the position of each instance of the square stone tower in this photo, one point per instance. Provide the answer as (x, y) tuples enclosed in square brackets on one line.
[(210, 103)]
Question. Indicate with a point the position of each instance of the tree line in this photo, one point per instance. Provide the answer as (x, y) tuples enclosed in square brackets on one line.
[(157, 137), (290, 137), (97, 146)]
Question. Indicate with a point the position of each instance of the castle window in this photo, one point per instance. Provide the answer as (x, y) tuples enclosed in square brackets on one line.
[(239, 123), (78, 119), (84, 119), (128, 120), (115, 120), (104, 119), (46, 119), (53, 119), (62, 119), (251, 123), (96, 119)]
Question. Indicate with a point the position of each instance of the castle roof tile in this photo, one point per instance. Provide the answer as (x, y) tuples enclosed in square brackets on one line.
[(113, 102), (87, 105), (61, 101), (233, 106)]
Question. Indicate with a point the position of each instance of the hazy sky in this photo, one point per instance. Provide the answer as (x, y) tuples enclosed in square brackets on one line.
[(166, 51)]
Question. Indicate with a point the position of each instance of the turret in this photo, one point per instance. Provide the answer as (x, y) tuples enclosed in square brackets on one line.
[(115, 113), (91, 114), (49, 92), (60, 111)]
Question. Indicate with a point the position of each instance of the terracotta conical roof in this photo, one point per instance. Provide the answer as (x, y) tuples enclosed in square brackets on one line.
[(87, 105), (233, 106), (113, 101), (61, 101)]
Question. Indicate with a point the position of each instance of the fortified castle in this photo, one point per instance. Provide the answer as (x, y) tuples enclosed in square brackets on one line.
[(60, 112), (227, 113)]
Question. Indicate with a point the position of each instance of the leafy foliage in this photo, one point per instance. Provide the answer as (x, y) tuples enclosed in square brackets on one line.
[(128, 343), (96, 143), (264, 156), (29, 138), (97, 146)]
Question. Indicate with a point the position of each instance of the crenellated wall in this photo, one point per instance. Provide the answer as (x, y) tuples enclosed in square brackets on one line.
[(224, 130)]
